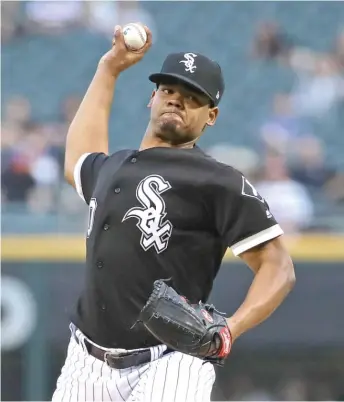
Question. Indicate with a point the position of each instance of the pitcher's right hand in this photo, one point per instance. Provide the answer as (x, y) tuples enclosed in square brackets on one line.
[(119, 57)]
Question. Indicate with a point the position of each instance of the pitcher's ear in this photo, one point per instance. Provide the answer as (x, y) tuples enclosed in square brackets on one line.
[(151, 99), (213, 113)]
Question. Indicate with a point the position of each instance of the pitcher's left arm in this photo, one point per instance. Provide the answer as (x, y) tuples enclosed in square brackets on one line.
[(246, 223), (274, 279)]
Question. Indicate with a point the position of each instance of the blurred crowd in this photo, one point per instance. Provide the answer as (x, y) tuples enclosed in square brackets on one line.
[(54, 17), (290, 165), (32, 156), (32, 151)]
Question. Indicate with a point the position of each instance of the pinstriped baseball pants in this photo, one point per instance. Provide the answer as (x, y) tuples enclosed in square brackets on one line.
[(175, 377)]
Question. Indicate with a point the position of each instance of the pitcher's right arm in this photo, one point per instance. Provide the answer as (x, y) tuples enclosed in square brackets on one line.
[(88, 132)]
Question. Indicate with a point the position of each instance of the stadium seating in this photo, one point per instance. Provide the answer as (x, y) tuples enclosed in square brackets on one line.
[(46, 69)]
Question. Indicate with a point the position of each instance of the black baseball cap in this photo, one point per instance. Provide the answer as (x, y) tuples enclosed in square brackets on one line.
[(196, 71)]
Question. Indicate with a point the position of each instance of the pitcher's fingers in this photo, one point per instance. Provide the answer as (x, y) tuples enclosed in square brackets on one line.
[(118, 39), (149, 35)]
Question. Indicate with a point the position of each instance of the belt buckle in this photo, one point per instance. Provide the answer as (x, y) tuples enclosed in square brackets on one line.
[(110, 354), (106, 354)]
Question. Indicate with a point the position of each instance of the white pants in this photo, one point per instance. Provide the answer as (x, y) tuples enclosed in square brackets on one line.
[(174, 377)]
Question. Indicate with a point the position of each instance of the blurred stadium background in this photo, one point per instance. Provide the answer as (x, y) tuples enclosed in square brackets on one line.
[(281, 123)]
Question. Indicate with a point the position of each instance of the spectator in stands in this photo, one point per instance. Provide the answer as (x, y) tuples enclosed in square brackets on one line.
[(51, 16), (289, 200), (17, 113), (31, 172), (44, 169), (284, 127), (240, 157), (309, 167), (103, 15), (43, 166), (9, 138), (339, 51), (270, 43), (335, 188), (55, 135), (17, 182), (11, 24), (16, 119), (319, 88)]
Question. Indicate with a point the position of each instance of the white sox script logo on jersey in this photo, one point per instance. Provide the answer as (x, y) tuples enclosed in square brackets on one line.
[(155, 230), (189, 62)]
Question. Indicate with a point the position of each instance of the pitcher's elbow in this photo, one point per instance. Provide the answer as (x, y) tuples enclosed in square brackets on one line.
[(290, 274), (68, 172)]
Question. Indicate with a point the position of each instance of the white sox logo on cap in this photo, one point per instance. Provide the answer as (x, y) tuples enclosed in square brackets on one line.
[(189, 62)]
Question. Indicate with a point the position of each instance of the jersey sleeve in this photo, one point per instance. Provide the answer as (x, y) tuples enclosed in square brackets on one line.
[(245, 219), (86, 172)]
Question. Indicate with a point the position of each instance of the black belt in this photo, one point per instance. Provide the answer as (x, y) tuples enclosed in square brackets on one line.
[(121, 360)]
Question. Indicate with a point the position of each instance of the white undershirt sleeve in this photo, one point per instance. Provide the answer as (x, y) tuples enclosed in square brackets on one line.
[(256, 239), (77, 175)]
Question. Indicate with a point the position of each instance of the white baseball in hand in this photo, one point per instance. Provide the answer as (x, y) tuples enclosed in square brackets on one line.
[(134, 36)]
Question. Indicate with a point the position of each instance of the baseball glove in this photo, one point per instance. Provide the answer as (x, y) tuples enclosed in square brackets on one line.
[(194, 329)]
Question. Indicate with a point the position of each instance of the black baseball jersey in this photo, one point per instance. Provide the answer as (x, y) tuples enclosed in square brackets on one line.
[(156, 214)]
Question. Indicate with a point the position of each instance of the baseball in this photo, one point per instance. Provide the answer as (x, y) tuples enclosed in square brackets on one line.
[(135, 36)]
